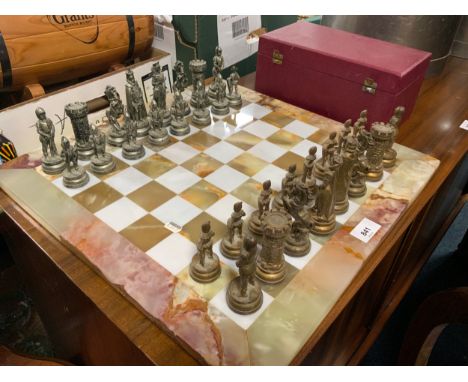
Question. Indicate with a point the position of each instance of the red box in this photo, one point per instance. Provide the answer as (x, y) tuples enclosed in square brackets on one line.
[(330, 72)]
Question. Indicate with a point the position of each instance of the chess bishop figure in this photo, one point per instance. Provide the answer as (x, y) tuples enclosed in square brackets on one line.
[(205, 266)]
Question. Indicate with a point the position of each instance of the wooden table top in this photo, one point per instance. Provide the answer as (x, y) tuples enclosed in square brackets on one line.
[(433, 128)]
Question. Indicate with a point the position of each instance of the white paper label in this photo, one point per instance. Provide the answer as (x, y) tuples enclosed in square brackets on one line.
[(464, 124), (233, 33), (365, 230), (174, 227)]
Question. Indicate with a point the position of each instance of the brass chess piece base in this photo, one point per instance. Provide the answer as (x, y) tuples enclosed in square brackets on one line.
[(75, 178), (297, 247), (53, 165), (207, 273), (250, 303), (323, 227), (102, 164), (356, 191), (341, 206), (271, 274), (132, 151), (231, 250), (374, 175), (255, 224), (278, 202), (389, 158)]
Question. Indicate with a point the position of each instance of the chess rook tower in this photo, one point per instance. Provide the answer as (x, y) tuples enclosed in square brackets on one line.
[(270, 262), (382, 135), (197, 69), (78, 114)]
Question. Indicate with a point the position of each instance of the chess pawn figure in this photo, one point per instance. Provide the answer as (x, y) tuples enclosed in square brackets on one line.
[(389, 158), (286, 187), (330, 146), (158, 134), (233, 96), (74, 176), (52, 162), (117, 133), (201, 115), (256, 219), (244, 295), (382, 140), (179, 125), (205, 266), (180, 83), (131, 149), (220, 104), (101, 161), (323, 213), (218, 65), (357, 186), (136, 105), (232, 242), (159, 93)]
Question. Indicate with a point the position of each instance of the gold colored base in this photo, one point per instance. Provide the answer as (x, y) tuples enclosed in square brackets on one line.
[(357, 192), (388, 163), (272, 276), (207, 274), (231, 250), (322, 227), (341, 207), (294, 249), (244, 304), (375, 175), (255, 224)]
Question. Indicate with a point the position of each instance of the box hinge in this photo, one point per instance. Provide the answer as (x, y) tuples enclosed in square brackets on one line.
[(277, 57), (369, 86)]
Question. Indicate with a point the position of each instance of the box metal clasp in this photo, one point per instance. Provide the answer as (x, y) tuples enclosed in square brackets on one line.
[(277, 57), (369, 86)]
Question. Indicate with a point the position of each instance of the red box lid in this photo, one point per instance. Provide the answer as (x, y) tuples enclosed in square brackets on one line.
[(346, 55)]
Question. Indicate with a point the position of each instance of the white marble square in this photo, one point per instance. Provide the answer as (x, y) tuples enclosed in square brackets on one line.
[(226, 178), (128, 180), (343, 218), (179, 152), (273, 173), (301, 262), (267, 151), (302, 129), (223, 151), (75, 191), (255, 110), (178, 179), (243, 320), (241, 119), (303, 147), (118, 154), (176, 210), (380, 182), (174, 253), (193, 130), (223, 208), (261, 129), (121, 214), (221, 129), (229, 262)]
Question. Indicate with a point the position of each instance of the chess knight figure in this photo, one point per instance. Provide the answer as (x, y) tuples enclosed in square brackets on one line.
[(159, 94), (233, 96), (74, 175), (101, 161), (52, 162), (256, 219), (205, 266), (180, 83), (244, 295), (232, 242), (218, 65), (136, 105)]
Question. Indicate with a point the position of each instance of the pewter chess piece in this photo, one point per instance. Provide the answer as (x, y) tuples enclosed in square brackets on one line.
[(323, 212), (78, 114), (286, 187), (244, 295), (382, 137), (131, 149), (117, 133), (201, 115), (218, 65), (158, 134), (330, 146), (179, 125), (159, 94), (136, 105), (101, 161), (74, 176), (205, 266), (389, 158), (233, 96), (220, 104), (197, 69), (264, 199), (232, 242), (270, 263), (115, 103), (180, 83), (52, 162)]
